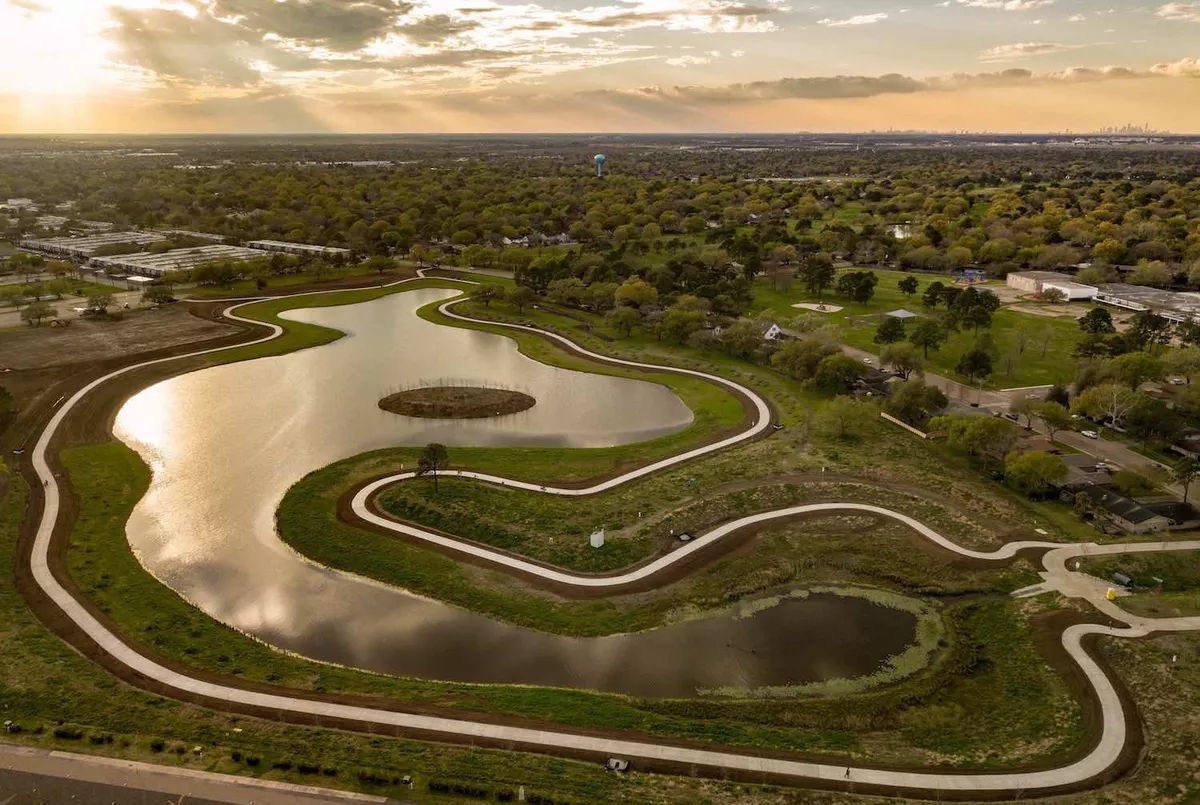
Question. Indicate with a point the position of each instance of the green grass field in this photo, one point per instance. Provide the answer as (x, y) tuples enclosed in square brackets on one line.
[(1041, 347), (963, 707)]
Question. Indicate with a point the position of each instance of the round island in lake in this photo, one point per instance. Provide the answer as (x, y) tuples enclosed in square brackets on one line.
[(456, 402)]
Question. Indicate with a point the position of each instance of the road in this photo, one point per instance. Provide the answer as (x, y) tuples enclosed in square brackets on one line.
[(33, 776), (997, 401), (1096, 762)]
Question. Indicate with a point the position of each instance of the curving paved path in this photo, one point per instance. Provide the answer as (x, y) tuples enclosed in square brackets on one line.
[(1101, 758)]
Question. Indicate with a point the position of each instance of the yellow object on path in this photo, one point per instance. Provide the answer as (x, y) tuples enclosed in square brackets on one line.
[(1111, 594)]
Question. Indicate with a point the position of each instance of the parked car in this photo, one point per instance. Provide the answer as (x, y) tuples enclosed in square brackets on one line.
[(616, 764), (1091, 434)]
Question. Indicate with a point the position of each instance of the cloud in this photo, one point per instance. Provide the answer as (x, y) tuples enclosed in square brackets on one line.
[(1180, 12), (846, 86), (31, 6), (1020, 50), (1184, 68), (860, 19), (1007, 5), (428, 30), (340, 25), (177, 47)]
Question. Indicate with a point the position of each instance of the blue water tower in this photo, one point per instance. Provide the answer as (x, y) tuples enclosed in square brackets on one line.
[(600, 160)]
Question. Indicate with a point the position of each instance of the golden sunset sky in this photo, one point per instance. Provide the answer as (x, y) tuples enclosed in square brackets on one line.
[(596, 65)]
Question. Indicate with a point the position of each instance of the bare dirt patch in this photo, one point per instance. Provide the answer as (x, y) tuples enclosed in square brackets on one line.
[(818, 307), (87, 340), (457, 402)]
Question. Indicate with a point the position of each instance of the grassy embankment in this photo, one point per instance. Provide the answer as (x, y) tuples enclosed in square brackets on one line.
[(1170, 581), (1033, 366), (107, 479), (988, 647), (249, 287)]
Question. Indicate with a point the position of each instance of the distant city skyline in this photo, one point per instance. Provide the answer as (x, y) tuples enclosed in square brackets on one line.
[(370, 66)]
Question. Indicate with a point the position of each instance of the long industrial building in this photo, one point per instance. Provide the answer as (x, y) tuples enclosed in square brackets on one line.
[(88, 245), (149, 264), (1178, 307), (298, 248)]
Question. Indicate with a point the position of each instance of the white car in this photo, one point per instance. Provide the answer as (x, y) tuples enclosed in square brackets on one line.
[(1091, 434)]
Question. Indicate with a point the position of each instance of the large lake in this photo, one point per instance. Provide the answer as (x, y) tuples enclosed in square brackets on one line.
[(226, 443)]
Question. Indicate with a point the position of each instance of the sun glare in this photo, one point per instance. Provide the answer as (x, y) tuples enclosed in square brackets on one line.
[(60, 51)]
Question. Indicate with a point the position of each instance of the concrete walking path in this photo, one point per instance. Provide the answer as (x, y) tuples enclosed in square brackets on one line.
[(563, 740)]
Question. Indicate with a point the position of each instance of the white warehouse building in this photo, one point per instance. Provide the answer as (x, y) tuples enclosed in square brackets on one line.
[(150, 264), (1041, 281), (88, 245), (302, 249)]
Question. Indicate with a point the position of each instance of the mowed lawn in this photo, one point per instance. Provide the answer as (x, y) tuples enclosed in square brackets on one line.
[(1027, 350)]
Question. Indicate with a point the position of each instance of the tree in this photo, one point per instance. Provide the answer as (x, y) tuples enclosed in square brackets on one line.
[(679, 323), (1183, 362), (1147, 330), (817, 272), (99, 303), (623, 319), (1053, 416), (1053, 296), (799, 359), (743, 338), (974, 364), (158, 295), (973, 308), (36, 313), (845, 418), (6, 403), (1107, 402), (485, 292), (1058, 393), (908, 285), (1033, 473), (984, 437), (836, 374), (519, 296), (1134, 368), (636, 291), (567, 291), (1097, 321), (927, 334), (1022, 408), (933, 294), (380, 263), (889, 331), (1184, 472), (902, 358), (433, 458), (1151, 272), (915, 402), (859, 286)]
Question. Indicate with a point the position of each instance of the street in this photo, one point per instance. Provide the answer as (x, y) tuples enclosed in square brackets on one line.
[(30, 776)]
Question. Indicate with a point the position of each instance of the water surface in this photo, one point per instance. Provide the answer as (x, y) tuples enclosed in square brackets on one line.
[(226, 443)]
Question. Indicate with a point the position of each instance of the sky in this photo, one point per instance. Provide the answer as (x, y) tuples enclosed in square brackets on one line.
[(291, 66)]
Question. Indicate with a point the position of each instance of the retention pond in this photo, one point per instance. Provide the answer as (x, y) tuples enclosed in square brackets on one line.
[(226, 443)]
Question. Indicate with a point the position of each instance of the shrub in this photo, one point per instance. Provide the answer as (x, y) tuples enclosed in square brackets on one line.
[(68, 733), (157, 745)]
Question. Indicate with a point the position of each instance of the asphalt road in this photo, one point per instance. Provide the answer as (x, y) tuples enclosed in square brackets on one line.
[(30, 776)]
